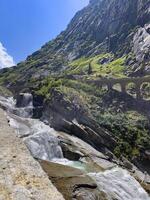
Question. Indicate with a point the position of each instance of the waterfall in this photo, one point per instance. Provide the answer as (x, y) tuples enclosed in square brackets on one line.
[(118, 184), (24, 100), (24, 104), (23, 107), (40, 139), (44, 146), (7, 103)]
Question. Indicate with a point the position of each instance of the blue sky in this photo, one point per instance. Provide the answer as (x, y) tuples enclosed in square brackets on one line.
[(27, 24)]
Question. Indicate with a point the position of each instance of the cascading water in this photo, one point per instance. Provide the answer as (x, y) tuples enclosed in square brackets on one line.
[(118, 184), (24, 109), (44, 146), (24, 100), (25, 105), (38, 137)]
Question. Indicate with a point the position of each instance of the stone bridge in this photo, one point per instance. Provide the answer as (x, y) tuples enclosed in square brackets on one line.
[(123, 82)]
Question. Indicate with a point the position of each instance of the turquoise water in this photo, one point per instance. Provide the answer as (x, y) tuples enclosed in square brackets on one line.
[(78, 164), (75, 164)]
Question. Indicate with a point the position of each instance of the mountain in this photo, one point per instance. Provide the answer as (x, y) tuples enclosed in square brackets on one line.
[(107, 40), (117, 26)]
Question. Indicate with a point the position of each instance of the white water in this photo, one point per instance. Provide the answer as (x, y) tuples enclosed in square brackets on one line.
[(25, 100), (25, 111), (42, 142), (118, 184), (38, 137), (25, 104)]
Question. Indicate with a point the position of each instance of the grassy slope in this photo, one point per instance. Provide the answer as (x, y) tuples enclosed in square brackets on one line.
[(102, 65)]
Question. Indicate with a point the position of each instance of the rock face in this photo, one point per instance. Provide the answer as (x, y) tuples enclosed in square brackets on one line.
[(141, 48), (21, 177), (100, 27), (75, 120)]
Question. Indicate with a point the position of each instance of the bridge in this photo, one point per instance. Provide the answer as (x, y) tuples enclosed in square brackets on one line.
[(101, 82), (123, 82)]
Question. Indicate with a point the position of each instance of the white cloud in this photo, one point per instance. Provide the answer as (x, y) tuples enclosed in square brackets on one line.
[(5, 59)]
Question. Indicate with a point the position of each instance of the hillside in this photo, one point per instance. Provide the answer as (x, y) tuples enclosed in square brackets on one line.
[(107, 39), (116, 26)]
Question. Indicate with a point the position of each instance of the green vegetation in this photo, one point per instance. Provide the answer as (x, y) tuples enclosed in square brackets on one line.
[(129, 128), (101, 65), (145, 89), (5, 92), (8, 77)]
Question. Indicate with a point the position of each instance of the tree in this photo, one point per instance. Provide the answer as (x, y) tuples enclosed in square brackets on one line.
[(90, 69)]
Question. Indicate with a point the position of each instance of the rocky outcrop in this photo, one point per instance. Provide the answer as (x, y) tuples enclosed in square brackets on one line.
[(72, 183), (143, 12), (100, 27), (75, 120), (21, 177), (141, 49)]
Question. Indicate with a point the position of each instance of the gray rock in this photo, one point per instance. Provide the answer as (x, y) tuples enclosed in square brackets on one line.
[(141, 44)]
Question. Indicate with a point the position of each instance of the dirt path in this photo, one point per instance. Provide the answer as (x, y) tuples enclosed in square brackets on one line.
[(21, 177)]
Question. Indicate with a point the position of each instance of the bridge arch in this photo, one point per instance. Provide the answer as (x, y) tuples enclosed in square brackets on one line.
[(145, 90), (138, 87), (118, 87), (131, 89), (105, 87)]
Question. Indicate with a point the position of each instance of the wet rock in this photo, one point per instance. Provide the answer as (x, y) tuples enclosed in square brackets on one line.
[(106, 181), (70, 153), (60, 170), (71, 182), (86, 192)]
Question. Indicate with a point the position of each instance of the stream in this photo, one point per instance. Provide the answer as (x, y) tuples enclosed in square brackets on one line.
[(43, 143)]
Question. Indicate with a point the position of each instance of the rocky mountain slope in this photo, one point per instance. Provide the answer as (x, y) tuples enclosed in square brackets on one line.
[(116, 26), (107, 39)]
